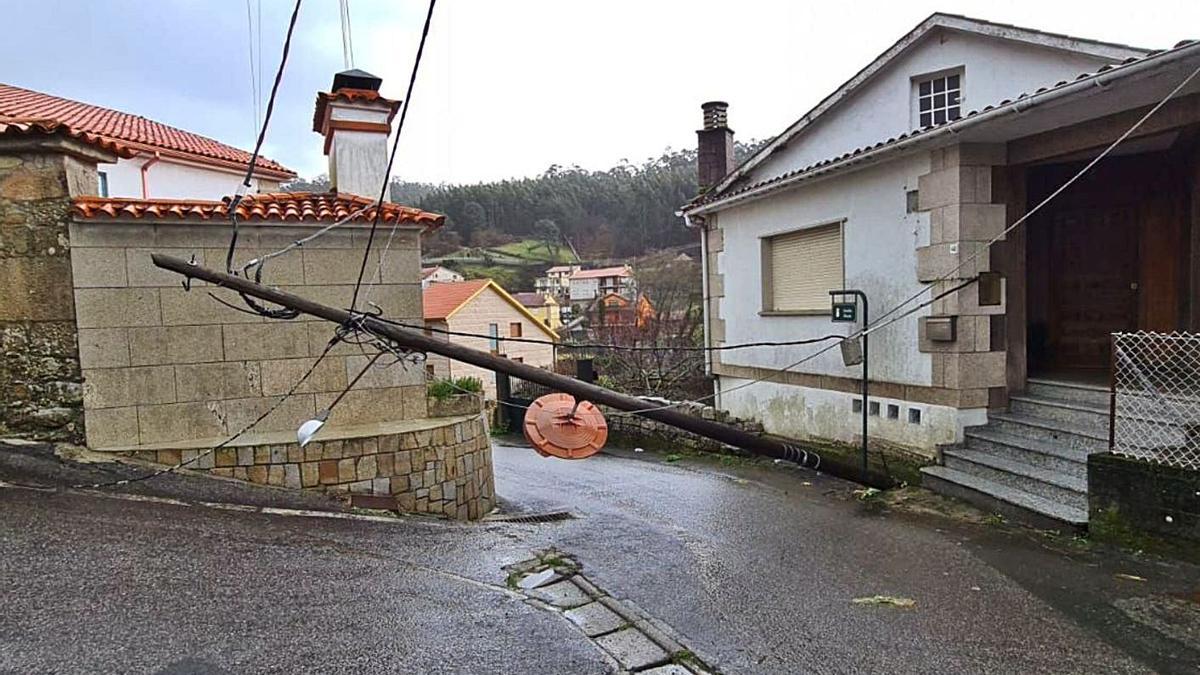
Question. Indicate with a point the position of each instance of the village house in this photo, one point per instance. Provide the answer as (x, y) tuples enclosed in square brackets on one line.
[(163, 162), (482, 307), (587, 285), (556, 281), (898, 179), (438, 275), (544, 307), (102, 347)]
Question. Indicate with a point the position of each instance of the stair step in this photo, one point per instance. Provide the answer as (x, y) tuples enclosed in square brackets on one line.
[(1063, 487), (1042, 454), (1047, 430), (999, 498), (1087, 394), (1072, 412)]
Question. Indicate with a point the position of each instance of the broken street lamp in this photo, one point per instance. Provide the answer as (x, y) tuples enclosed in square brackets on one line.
[(310, 428)]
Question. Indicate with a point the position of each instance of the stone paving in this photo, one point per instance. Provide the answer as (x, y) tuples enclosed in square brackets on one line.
[(635, 641)]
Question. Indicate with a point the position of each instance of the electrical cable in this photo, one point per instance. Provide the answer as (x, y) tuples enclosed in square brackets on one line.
[(412, 80), (253, 73)]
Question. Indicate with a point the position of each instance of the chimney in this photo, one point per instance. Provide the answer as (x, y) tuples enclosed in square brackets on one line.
[(714, 156), (355, 121)]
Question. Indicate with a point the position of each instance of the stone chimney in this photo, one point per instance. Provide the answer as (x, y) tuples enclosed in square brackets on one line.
[(355, 121), (714, 157)]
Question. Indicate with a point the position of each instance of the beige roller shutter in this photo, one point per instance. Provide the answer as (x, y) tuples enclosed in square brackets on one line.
[(804, 267)]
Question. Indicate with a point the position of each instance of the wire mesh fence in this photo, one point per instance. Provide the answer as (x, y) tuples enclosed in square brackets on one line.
[(1156, 398)]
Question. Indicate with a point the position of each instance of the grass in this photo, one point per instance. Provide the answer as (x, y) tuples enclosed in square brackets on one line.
[(532, 249)]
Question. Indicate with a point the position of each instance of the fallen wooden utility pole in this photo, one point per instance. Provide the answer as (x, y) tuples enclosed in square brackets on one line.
[(419, 341)]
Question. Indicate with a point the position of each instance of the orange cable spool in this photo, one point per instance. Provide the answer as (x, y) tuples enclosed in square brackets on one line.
[(556, 426)]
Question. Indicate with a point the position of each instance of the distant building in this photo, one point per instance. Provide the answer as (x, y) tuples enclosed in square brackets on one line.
[(543, 306), (617, 311), (438, 275), (586, 285), (556, 281), (482, 307)]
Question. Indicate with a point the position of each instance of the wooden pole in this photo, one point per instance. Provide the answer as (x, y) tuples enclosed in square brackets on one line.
[(418, 341)]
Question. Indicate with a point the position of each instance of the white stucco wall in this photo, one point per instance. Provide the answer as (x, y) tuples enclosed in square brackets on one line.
[(880, 241), (584, 289), (167, 179), (995, 70)]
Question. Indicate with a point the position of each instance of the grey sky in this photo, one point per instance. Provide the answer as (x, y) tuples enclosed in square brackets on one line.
[(508, 87)]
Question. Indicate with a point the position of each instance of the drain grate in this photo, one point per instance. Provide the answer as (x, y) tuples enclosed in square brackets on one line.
[(535, 518)]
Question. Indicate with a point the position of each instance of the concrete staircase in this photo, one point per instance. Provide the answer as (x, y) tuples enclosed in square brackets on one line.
[(1030, 463)]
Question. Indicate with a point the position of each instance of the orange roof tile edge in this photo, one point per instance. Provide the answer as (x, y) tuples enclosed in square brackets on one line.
[(27, 127), (440, 300), (349, 94), (275, 206)]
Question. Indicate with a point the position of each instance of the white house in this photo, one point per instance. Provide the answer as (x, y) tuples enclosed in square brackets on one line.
[(586, 285), (893, 185), (168, 163), (556, 281), (438, 275)]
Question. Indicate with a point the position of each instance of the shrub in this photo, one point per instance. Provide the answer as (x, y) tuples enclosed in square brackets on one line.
[(448, 387)]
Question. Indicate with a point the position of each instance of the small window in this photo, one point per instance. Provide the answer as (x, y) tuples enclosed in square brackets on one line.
[(914, 415), (519, 359), (103, 187), (514, 329), (800, 268), (873, 408), (856, 406), (893, 411), (938, 99), (494, 337), (430, 371)]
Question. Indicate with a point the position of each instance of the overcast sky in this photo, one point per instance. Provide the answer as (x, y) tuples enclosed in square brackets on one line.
[(508, 87)]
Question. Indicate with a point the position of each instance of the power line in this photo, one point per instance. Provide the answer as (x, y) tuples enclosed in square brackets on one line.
[(412, 80)]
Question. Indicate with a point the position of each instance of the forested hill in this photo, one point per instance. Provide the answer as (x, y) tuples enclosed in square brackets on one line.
[(624, 211)]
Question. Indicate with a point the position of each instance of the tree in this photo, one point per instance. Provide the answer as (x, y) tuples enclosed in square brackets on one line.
[(547, 232)]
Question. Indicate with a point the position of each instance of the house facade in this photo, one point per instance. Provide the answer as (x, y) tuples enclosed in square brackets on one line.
[(587, 285), (163, 162), (482, 307), (556, 281), (438, 275), (897, 184), (544, 306)]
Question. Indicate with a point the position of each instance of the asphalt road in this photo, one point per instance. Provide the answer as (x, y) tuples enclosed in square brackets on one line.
[(755, 567)]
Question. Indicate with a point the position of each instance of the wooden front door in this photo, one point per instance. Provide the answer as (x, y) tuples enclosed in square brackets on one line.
[(1093, 283)]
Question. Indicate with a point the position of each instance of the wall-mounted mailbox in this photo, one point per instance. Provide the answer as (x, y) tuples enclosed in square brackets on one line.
[(941, 328), (991, 289)]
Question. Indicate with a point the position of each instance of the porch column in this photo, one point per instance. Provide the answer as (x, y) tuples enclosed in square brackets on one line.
[(958, 194)]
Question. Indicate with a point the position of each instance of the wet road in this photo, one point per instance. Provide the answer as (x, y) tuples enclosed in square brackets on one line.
[(754, 567)]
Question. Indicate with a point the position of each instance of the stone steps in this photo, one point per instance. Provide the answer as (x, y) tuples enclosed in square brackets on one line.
[(1030, 463)]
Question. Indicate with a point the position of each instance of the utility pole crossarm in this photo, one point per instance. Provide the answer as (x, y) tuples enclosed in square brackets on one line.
[(418, 341)]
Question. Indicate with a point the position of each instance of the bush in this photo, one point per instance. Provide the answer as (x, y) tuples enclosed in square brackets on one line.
[(448, 387)]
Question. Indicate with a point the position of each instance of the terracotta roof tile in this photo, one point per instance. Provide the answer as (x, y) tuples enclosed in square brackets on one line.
[(440, 300), (602, 272), (134, 131), (317, 207), (30, 127)]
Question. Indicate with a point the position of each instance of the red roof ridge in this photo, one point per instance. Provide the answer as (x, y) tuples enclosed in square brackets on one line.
[(134, 132)]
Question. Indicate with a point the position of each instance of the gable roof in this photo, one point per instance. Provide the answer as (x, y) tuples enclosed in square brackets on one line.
[(133, 131), (313, 207), (530, 299), (1128, 69), (442, 301), (1109, 51), (11, 127)]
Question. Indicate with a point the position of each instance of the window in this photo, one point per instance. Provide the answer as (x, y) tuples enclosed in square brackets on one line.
[(800, 268), (519, 359), (514, 329), (938, 99), (103, 188), (493, 337)]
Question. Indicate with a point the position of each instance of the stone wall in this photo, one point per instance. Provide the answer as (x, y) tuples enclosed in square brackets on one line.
[(1129, 498), (440, 466), (40, 380), (162, 364), (645, 432)]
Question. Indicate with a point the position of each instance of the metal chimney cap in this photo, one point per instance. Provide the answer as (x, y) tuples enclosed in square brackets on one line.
[(356, 79)]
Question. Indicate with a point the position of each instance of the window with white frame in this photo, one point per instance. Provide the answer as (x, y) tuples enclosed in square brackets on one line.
[(801, 267), (103, 187), (938, 98)]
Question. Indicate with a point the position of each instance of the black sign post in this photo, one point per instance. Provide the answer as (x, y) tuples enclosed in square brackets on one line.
[(844, 310)]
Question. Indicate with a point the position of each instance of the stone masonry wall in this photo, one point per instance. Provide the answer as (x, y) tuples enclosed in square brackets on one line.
[(638, 430), (40, 381), (163, 364), (440, 466)]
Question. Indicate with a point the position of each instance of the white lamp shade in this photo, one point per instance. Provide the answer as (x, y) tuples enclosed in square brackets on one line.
[(307, 430)]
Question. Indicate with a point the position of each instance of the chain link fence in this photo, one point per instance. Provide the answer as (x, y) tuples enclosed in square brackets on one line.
[(1156, 398)]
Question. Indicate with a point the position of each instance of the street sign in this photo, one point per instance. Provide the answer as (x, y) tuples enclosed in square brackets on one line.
[(845, 311)]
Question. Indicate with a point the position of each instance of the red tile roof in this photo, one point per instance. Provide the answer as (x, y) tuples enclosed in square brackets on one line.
[(351, 95), (441, 300), (133, 131), (530, 299), (23, 127), (279, 206)]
